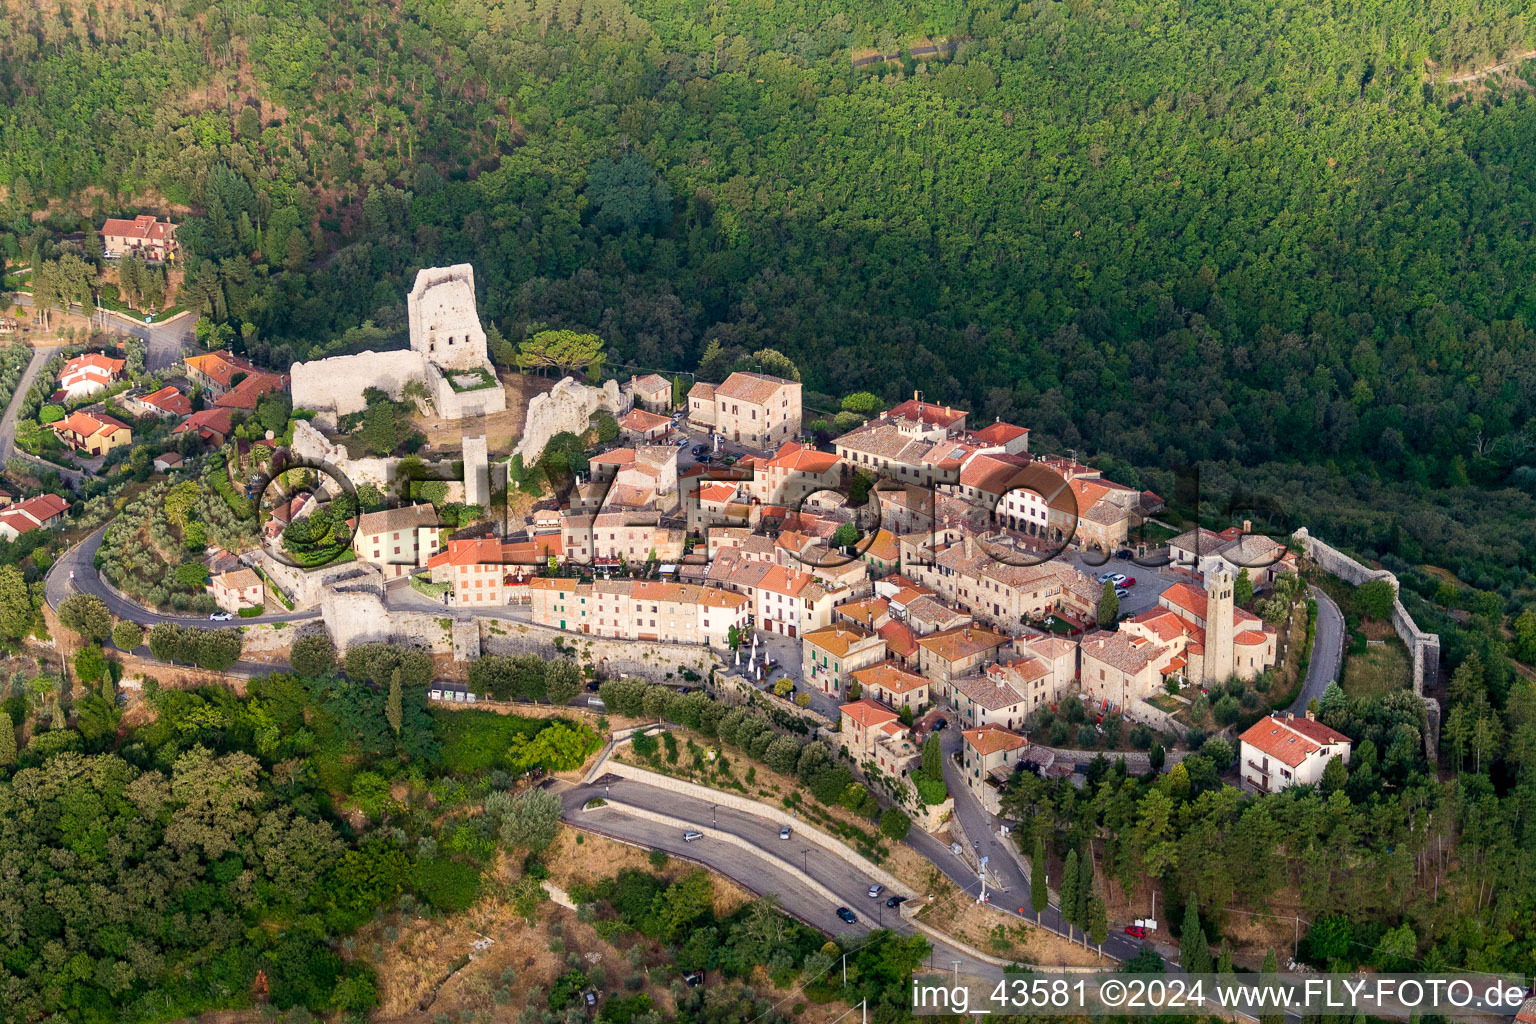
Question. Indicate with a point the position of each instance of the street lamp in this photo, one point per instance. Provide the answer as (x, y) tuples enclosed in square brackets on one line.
[(712, 817), (804, 860)]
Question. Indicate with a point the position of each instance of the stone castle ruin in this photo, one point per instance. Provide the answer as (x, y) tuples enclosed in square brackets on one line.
[(567, 408), (447, 354)]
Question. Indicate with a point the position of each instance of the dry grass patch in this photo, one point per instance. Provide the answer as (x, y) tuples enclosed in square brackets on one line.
[(580, 857), (1004, 935)]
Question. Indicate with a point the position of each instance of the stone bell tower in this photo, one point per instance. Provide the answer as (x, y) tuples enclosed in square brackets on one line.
[(1218, 626)]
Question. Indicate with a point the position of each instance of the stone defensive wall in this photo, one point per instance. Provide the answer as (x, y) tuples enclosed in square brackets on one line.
[(1423, 648)]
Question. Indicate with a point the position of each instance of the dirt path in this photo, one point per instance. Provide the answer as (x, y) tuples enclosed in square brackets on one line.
[(1473, 76)]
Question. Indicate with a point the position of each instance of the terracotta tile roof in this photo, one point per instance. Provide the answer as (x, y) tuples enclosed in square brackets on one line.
[(94, 364), (1000, 433), (1249, 638), (143, 226), (219, 366), (238, 579), (927, 413), (1051, 647), (899, 640), (839, 639), (703, 389), (868, 713), (407, 517), (798, 458), (617, 457), (170, 400), (650, 383), (1128, 653), (989, 739), (171, 459), (642, 422), (215, 420), (884, 546), (991, 691), (250, 390), (866, 611), (1287, 740), (890, 677), (1025, 670), (25, 516), (87, 424), (757, 388), (961, 642)]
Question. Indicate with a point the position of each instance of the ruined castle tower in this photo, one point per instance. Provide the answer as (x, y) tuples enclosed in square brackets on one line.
[(445, 326)]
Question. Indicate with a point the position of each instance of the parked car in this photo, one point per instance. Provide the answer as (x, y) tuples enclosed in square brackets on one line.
[(895, 901), (1130, 581), (693, 979), (1117, 577), (730, 459), (700, 449), (592, 686), (784, 832), (875, 891), (1103, 577), (940, 723), (220, 617), (1122, 593), (589, 997), (691, 835), (846, 915), (682, 442), (1135, 931), (1124, 554)]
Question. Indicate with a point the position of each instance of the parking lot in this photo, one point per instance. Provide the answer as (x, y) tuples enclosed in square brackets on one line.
[(1150, 583)]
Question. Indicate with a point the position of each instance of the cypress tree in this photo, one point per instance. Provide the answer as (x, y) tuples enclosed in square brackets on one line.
[(1069, 892), (1039, 896), (7, 739), (393, 710)]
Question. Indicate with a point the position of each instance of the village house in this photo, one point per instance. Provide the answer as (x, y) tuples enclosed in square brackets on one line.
[(870, 612), (1203, 551), (487, 571), (990, 756), (92, 433), (989, 698), (927, 420), (784, 601), (398, 540), (238, 590), (217, 372), (1281, 751), (167, 462), (1006, 437), (144, 236), (1121, 668), (248, 390), (641, 426), (46, 511), (642, 477), (951, 653), (681, 613), (792, 474), (167, 403), (966, 575), (830, 655), (89, 373), (753, 409), (652, 392), (899, 454), (213, 426), (892, 685), (882, 554), (614, 537)]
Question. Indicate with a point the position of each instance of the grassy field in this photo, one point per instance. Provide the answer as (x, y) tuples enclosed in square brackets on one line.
[(1378, 669), (475, 741)]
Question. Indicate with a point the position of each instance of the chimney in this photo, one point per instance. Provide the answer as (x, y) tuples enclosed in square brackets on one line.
[(1247, 526), (1310, 716)]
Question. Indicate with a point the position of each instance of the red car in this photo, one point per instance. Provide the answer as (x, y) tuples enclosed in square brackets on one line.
[(1130, 581), (1135, 931)]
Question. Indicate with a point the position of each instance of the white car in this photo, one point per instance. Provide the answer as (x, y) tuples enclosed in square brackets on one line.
[(1122, 593), (876, 890), (220, 617), (1117, 578), (784, 832)]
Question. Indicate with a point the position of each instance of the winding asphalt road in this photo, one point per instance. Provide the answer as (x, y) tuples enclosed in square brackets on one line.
[(13, 410), (1327, 652), (75, 572), (777, 866)]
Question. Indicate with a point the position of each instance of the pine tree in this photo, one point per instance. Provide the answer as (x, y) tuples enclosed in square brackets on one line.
[(1039, 896), (393, 710), (1224, 962), (7, 739), (1069, 892)]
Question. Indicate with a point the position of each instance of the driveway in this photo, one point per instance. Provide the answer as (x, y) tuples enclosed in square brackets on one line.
[(788, 654), (13, 410), (1327, 652)]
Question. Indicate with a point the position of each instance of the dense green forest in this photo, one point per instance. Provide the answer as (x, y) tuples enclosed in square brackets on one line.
[(1245, 233), (1272, 240)]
